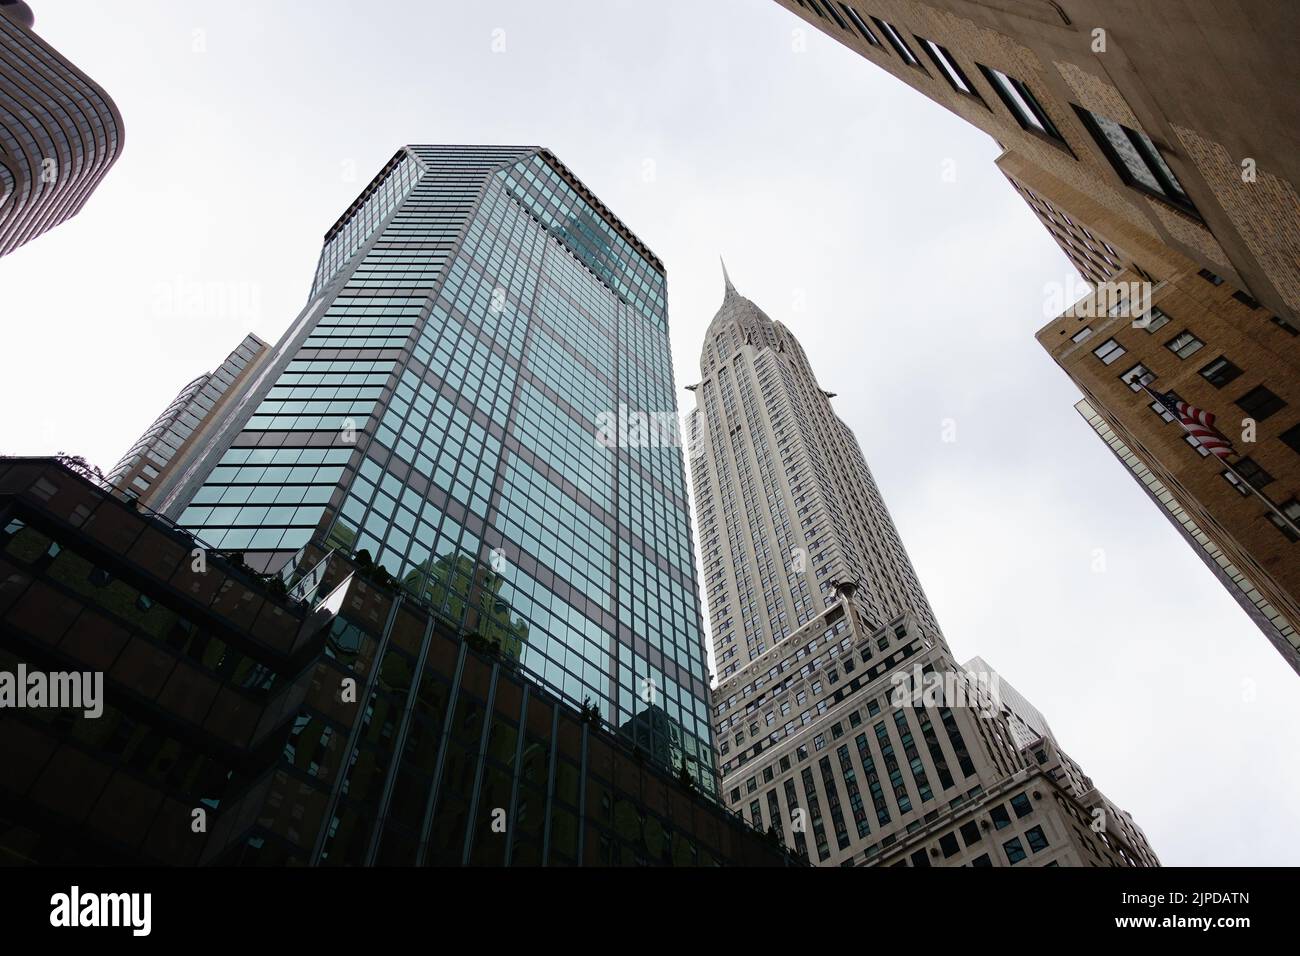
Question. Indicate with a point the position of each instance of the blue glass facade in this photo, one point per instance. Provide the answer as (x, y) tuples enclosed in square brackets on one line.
[(437, 405)]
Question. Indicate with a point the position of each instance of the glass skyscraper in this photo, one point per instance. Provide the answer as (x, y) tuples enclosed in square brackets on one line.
[(476, 315)]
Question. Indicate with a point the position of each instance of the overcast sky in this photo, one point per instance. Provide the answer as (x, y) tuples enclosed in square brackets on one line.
[(251, 126)]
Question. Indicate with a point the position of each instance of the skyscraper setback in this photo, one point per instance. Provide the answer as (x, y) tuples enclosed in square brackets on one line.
[(474, 313), (843, 721)]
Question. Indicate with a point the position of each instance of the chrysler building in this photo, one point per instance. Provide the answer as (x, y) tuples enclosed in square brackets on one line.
[(788, 511)]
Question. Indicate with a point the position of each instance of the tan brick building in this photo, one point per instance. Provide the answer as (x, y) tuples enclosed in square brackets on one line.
[(1219, 353), (1155, 149), (1162, 127)]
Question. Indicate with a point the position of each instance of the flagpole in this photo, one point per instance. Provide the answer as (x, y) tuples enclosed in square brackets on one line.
[(1262, 497), (1259, 493)]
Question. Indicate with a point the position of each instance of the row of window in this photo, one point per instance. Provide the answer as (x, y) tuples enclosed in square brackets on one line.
[(971, 835), (1259, 403), (1134, 156)]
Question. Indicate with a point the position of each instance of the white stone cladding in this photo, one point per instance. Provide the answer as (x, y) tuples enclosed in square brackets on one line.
[(787, 507)]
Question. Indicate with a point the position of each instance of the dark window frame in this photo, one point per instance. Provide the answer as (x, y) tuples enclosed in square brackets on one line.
[(944, 61), (1014, 846), (1290, 508), (1260, 403), (1050, 132), (1200, 344), (1112, 355), (1249, 470), (1154, 323), (1232, 371), (1171, 191), (1284, 325), (1165, 414), (861, 24), (896, 40), (1144, 377), (830, 8), (1037, 839)]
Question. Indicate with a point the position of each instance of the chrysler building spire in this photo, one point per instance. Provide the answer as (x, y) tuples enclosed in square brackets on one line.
[(788, 508)]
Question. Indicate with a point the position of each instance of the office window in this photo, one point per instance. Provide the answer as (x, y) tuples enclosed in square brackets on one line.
[(1220, 372), (1291, 438), (1021, 103), (898, 43), (1138, 376), (981, 860), (1136, 159), (1197, 445), (1184, 344), (1021, 804), (1249, 469), (1082, 334), (948, 67), (1109, 351), (1284, 325), (1119, 305), (970, 833), (1155, 319), (830, 8), (1246, 299), (948, 844), (861, 24), (1166, 414), (1291, 509), (1037, 839), (1259, 403), (1014, 850), (1000, 817), (1210, 277)]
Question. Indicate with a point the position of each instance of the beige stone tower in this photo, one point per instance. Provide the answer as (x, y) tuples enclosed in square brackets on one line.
[(842, 720), (786, 504)]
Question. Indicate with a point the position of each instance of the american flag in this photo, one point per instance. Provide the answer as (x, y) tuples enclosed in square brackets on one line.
[(1197, 422)]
